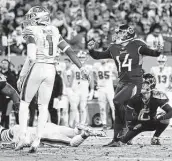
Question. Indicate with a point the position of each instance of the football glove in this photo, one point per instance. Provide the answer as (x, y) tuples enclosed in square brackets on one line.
[(91, 45), (84, 73), (159, 116)]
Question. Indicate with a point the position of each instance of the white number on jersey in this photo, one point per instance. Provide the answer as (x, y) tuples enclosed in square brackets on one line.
[(126, 63), (103, 74)]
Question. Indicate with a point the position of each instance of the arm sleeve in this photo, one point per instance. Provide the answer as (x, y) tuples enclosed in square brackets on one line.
[(100, 54), (29, 36), (143, 50), (65, 47)]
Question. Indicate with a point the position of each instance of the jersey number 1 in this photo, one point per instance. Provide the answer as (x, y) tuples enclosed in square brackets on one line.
[(50, 42), (126, 63)]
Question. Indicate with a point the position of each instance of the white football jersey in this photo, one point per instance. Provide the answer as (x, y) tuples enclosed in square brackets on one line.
[(163, 77), (104, 74), (46, 39), (60, 67), (78, 79)]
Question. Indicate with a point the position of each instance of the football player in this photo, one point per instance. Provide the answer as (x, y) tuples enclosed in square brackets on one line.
[(163, 74), (104, 76), (52, 134), (127, 52), (60, 67), (38, 73), (80, 86), (7, 90), (79, 94), (142, 114), (68, 94)]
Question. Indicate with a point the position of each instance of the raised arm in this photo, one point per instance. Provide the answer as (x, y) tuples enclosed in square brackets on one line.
[(66, 48), (144, 50), (98, 54)]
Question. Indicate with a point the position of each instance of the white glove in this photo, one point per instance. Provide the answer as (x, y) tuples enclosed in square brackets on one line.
[(91, 45), (84, 73), (91, 94)]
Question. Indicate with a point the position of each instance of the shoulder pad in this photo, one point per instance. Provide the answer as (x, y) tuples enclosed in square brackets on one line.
[(140, 42), (55, 29), (159, 95)]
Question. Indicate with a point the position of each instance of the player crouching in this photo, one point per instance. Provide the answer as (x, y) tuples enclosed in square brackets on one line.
[(142, 113), (53, 134)]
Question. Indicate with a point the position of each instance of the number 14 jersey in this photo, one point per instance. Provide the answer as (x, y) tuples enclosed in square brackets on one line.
[(46, 39), (128, 60)]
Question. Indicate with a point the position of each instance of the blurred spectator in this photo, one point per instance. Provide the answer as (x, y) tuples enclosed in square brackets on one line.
[(10, 76), (5, 102), (167, 36), (17, 43), (78, 41), (155, 36)]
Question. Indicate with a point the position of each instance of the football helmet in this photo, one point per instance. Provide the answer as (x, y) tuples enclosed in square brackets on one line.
[(149, 83), (123, 34), (83, 56), (37, 16), (162, 59)]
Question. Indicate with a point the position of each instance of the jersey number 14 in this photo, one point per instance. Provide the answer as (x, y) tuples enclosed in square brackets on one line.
[(125, 64)]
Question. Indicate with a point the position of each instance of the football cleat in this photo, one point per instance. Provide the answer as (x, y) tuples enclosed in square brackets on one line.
[(35, 145), (130, 142), (155, 141), (114, 144), (20, 145)]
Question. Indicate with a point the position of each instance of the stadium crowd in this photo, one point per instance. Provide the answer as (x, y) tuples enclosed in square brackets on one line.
[(81, 20)]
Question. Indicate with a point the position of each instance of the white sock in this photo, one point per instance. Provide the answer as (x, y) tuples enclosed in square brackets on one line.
[(42, 119), (83, 113), (103, 112), (23, 117)]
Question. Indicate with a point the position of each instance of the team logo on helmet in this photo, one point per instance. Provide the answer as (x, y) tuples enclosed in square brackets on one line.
[(123, 34), (37, 16), (149, 82)]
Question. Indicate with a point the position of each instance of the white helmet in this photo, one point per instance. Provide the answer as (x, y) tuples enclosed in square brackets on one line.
[(162, 59), (83, 56), (37, 16)]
